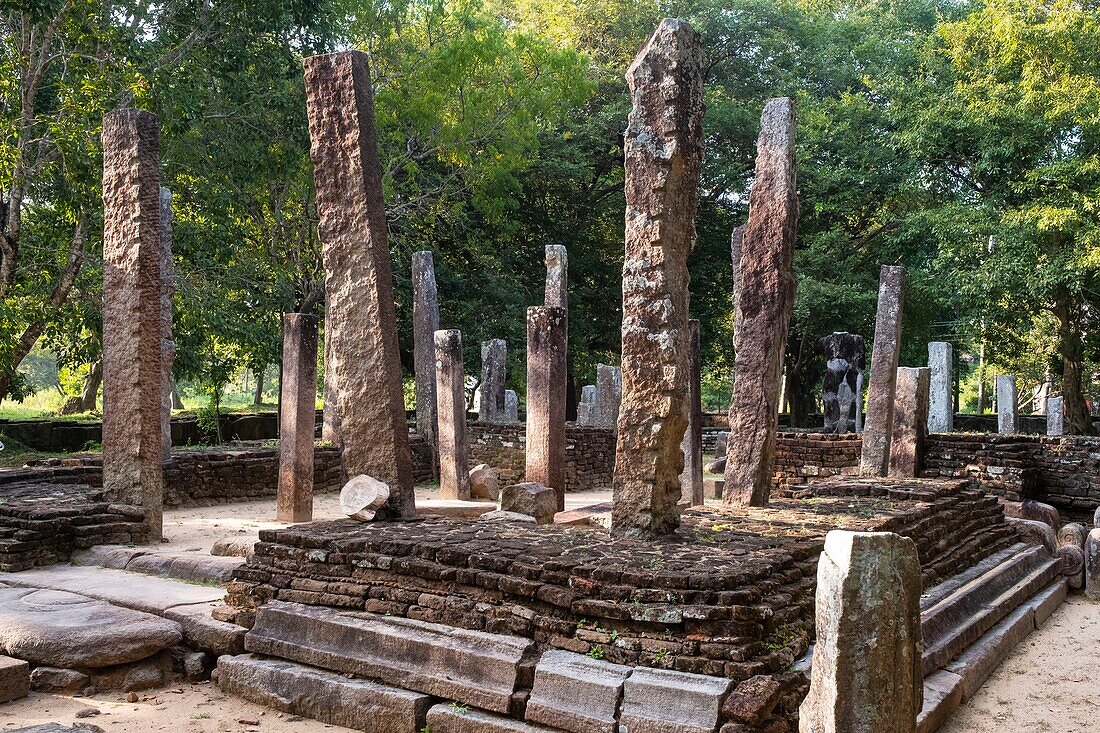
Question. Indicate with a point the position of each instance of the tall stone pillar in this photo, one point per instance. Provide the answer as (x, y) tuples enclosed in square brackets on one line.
[(167, 293), (133, 319), (1056, 416), (586, 409), (330, 420), (546, 399), (511, 406), (910, 424), (494, 372), (609, 396), (425, 324), (557, 277), (297, 418), (691, 480), (454, 477), (875, 458), (866, 676), (844, 363), (765, 300), (362, 323), (663, 148), (941, 400), (1008, 412), (737, 238)]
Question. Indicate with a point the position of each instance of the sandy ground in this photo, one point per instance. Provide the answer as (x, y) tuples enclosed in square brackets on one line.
[(1050, 682)]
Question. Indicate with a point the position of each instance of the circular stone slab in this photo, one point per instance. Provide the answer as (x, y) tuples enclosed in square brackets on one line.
[(62, 629)]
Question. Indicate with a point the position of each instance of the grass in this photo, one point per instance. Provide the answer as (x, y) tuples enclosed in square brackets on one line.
[(16, 454)]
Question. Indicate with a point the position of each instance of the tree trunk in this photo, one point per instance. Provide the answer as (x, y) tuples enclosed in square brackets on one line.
[(1072, 350), (258, 398), (177, 403)]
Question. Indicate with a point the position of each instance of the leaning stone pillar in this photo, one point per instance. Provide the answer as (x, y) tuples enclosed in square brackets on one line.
[(425, 324), (362, 325), (1056, 416), (875, 457), (1008, 412), (866, 675), (546, 399), (764, 303), (297, 418), (941, 390), (167, 293), (494, 373), (663, 147), (133, 319), (454, 477), (691, 480), (910, 424)]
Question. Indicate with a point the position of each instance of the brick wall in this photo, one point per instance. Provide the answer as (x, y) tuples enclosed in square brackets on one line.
[(589, 453)]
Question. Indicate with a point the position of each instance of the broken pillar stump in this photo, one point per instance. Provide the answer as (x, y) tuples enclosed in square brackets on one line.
[(910, 425), (297, 418)]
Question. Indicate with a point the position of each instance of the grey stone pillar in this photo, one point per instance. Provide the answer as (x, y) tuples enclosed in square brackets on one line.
[(941, 402), (910, 425), (691, 480), (546, 399), (297, 418), (454, 477), (425, 324), (511, 406), (1056, 416), (133, 303), (587, 408), (663, 148), (494, 372), (765, 300), (557, 277), (609, 396), (362, 325), (1008, 412), (866, 676), (168, 292), (875, 458)]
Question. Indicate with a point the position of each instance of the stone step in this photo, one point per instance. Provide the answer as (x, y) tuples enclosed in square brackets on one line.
[(964, 614), (195, 567)]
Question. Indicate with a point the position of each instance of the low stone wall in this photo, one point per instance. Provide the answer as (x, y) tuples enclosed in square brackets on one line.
[(589, 454)]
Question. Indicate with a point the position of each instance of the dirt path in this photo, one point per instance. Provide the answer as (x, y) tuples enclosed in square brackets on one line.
[(1050, 683)]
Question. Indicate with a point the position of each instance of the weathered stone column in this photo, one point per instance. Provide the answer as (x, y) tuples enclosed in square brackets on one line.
[(866, 676), (330, 420), (884, 370), (1008, 412), (362, 322), (1056, 416), (764, 303), (454, 477), (941, 390), (297, 418), (910, 425), (546, 399), (737, 238), (167, 293), (557, 277), (511, 406), (133, 319), (494, 373), (425, 324), (1092, 565), (586, 408), (845, 359), (691, 480), (609, 396), (663, 148)]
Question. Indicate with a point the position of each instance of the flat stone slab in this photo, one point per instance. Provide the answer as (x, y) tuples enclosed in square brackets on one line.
[(576, 693), (583, 515), (448, 718), (62, 629), (660, 700), (194, 566), (454, 508), (202, 631), (322, 695), (15, 679), (471, 667), (942, 697), (117, 587)]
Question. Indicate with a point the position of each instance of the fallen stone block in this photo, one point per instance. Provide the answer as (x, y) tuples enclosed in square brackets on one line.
[(202, 631), (499, 515), (576, 693), (52, 679), (450, 718), (232, 548), (664, 701), (362, 497), (535, 500), (147, 674), (15, 679), (582, 516), (325, 696), (472, 667), (484, 483), (753, 700)]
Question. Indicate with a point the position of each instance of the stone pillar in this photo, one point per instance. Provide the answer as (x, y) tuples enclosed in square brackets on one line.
[(454, 477), (609, 396), (884, 370), (1092, 565), (546, 399), (362, 323), (511, 406), (133, 302), (297, 418), (765, 300), (1056, 416), (557, 277), (737, 238), (866, 676), (425, 324), (167, 293), (663, 148), (494, 372), (691, 480), (844, 363), (1008, 413), (586, 408), (910, 424), (941, 390), (330, 420)]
